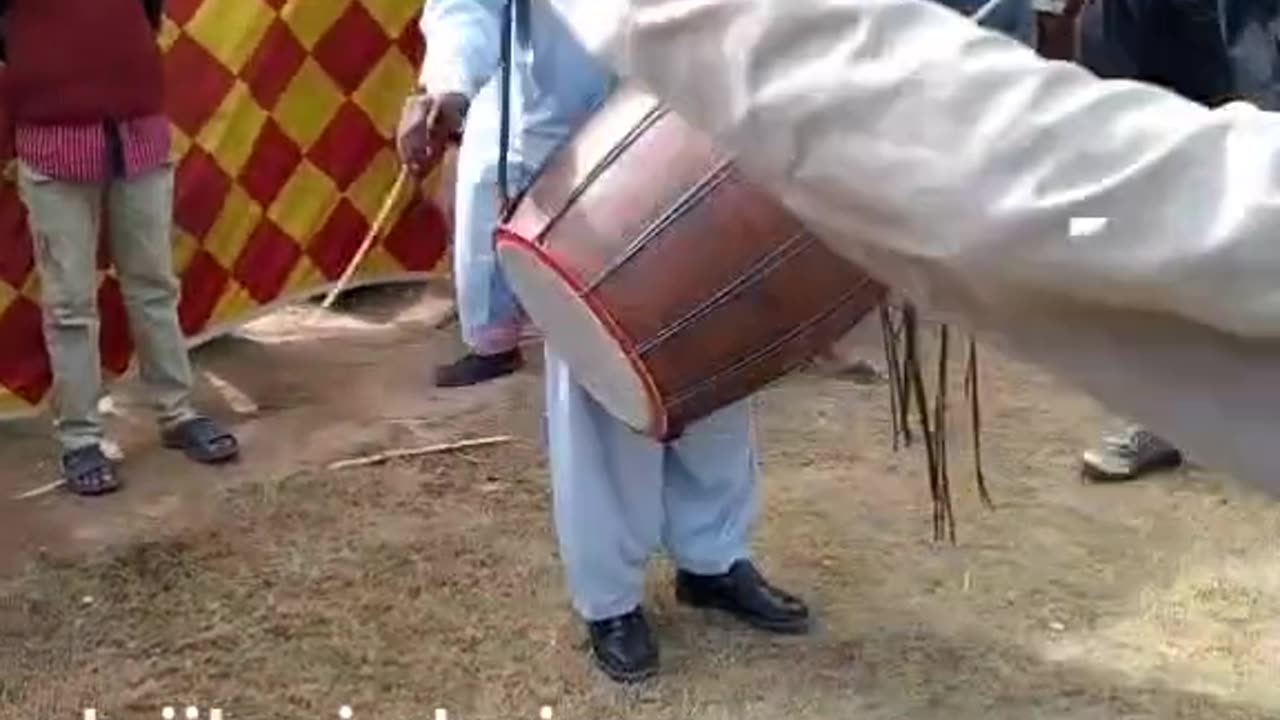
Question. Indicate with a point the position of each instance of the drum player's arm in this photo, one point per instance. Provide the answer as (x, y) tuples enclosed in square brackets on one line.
[(1113, 232), (463, 39)]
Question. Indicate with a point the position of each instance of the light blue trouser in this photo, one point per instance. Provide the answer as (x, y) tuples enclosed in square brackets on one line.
[(619, 495), (488, 310)]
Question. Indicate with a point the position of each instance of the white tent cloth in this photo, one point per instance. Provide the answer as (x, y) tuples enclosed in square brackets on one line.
[(1119, 236)]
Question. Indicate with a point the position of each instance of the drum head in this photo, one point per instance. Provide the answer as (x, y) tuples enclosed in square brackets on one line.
[(579, 336)]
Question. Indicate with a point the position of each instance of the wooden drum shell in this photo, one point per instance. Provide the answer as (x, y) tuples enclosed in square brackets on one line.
[(709, 287)]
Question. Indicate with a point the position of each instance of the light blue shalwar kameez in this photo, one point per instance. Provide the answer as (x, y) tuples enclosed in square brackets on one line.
[(617, 494)]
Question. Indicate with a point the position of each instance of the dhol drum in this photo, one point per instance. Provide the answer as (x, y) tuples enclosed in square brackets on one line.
[(669, 284)]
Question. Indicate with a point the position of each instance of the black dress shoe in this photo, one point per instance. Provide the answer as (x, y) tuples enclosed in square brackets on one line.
[(745, 594), (623, 647), (473, 369)]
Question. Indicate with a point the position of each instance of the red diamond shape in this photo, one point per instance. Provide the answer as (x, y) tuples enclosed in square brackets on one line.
[(343, 150), (353, 44), (411, 43), (419, 237), (266, 261), (181, 11), (272, 162), (274, 63), (202, 286), (202, 189), (114, 342), (336, 243), (25, 374), (196, 84), (16, 260)]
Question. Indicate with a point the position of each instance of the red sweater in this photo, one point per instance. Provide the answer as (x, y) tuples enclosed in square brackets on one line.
[(81, 61)]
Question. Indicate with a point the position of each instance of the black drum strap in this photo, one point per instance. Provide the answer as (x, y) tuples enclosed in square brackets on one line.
[(504, 134), (515, 33)]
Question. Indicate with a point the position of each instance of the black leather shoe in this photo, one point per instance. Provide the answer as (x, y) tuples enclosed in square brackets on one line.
[(473, 369), (623, 647), (745, 594)]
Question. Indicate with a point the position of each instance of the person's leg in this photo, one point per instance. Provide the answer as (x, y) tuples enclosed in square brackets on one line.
[(64, 226), (141, 212), (488, 310), (1130, 455), (711, 501), (608, 516)]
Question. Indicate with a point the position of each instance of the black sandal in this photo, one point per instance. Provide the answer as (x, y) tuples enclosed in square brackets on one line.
[(88, 471), (202, 440)]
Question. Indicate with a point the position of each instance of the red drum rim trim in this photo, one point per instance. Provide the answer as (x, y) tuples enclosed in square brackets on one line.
[(661, 427)]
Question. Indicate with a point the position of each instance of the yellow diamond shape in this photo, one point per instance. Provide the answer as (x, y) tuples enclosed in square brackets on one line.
[(239, 218), (13, 406), (380, 264), (179, 145), (393, 15), (369, 191), (235, 305), (308, 104), (168, 35), (304, 203), (31, 287), (230, 134), (7, 295), (383, 90), (304, 276), (311, 19), (232, 29), (184, 249)]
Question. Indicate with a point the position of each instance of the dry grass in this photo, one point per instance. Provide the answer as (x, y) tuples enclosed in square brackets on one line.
[(404, 588)]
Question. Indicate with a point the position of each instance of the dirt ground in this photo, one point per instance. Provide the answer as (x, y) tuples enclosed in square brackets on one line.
[(279, 589)]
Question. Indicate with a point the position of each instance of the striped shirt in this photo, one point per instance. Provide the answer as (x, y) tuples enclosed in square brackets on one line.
[(94, 153)]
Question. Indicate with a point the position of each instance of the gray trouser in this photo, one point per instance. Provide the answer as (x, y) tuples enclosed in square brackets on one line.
[(64, 219)]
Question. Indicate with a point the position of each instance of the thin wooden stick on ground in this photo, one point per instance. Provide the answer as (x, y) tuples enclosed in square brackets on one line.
[(388, 455), (42, 490)]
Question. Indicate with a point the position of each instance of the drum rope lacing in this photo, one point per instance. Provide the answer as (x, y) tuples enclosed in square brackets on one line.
[(854, 293), (654, 114), (774, 259), (691, 198)]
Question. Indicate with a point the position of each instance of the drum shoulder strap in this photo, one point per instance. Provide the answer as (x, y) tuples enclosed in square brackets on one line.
[(515, 15)]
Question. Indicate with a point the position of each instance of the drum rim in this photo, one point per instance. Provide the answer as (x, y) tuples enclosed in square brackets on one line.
[(660, 425)]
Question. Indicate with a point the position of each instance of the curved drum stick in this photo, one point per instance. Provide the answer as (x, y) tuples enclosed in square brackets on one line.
[(376, 229)]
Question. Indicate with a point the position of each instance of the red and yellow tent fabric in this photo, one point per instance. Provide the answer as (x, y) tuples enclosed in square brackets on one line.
[(284, 114)]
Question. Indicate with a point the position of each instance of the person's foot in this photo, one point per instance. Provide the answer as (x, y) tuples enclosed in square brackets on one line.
[(1129, 456), (473, 369), (88, 471), (623, 647), (743, 593), (202, 440)]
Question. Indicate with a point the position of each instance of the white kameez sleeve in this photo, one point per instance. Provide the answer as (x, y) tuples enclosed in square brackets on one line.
[(463, 40), (1118, 235)]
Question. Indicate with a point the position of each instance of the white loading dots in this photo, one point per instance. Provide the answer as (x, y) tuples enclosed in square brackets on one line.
[(346, 713), (168, 713), (191, 712)]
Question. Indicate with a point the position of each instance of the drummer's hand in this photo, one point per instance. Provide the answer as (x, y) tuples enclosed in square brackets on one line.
[(428, 123)]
